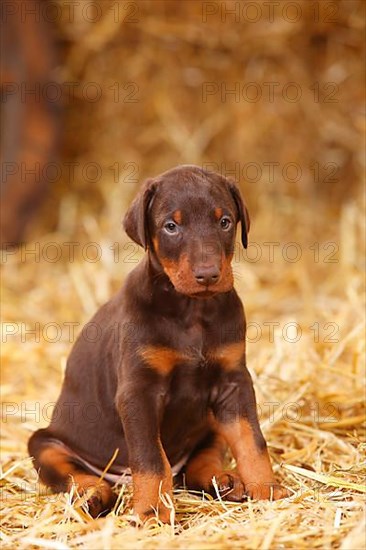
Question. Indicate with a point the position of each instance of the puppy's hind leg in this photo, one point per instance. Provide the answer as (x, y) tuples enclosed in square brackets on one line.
[(59, 470), (206, 463)]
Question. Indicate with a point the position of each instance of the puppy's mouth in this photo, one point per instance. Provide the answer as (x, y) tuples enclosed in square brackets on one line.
[(208, 293), (199, 294), (188, 287)]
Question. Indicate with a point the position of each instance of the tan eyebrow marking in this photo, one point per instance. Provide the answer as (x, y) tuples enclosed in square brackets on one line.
[(177, 216), (218, 213)]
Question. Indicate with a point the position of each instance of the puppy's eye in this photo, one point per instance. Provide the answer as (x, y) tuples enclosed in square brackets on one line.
[(171, 228), (225, 223)]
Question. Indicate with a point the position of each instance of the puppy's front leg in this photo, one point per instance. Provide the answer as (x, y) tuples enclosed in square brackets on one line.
[(236, 419), (139, 406)]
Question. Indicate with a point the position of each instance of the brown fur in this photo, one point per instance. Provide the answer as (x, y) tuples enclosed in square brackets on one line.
[(178, 362)]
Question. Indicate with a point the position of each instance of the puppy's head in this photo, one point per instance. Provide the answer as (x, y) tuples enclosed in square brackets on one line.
[(187, 217)]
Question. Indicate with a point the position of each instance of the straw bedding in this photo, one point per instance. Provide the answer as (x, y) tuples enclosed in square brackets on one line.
[(306, 317)]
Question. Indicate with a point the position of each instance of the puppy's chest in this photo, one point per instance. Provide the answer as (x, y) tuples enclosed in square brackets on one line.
[(197, 335), (191, 384), (200, 356), (199, 342)]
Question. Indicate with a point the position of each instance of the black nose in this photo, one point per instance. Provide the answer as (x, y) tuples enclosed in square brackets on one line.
[(207, 275)]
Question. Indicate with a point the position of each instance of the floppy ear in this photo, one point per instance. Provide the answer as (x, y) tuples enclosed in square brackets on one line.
[(135, 222), (242, 211)]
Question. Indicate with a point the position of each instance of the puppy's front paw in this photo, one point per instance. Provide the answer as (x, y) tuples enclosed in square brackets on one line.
[(231, 487), (163, 515), (279, 491), (153, 497), (266, 491)]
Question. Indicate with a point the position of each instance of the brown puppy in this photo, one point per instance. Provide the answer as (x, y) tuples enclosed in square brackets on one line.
[(169, 390)]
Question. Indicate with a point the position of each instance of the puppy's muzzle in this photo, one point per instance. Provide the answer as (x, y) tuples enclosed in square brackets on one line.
[(207, 275)]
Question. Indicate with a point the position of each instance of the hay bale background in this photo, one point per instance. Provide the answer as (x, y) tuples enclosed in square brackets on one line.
[(315, 385)]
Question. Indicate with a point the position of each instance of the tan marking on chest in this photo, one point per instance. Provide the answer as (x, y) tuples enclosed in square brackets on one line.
[(230, 356), (161, 359)]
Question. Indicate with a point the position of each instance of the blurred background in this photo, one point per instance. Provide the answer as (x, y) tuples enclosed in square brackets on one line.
[(99, 95)]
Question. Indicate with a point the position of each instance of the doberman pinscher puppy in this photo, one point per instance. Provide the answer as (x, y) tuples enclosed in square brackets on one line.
[(169, 391)]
